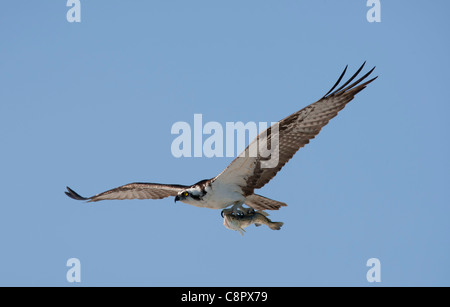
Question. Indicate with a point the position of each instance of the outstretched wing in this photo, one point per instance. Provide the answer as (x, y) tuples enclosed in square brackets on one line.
[(294, 132), (135, 190)]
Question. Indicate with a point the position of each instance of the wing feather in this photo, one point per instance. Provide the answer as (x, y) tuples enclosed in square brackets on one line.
[(259, 202), (137, 190), (294, 132)]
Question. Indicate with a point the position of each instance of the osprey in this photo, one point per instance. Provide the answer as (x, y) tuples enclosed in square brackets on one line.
[(235, 186)]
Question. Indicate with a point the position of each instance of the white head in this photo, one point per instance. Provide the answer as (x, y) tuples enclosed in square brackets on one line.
[(190, 196)]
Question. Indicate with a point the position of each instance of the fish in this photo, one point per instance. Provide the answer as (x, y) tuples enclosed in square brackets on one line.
[(239, 222)]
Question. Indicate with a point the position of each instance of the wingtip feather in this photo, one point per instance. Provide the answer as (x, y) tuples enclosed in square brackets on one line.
[(74, 195)]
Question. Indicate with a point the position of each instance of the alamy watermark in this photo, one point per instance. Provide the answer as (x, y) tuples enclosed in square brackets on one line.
[(374, 273), (74, 13), (220, 142), (374, 13), (74, 273)]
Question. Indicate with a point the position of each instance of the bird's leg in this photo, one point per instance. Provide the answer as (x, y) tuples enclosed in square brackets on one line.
[(247, 211), (250, 211), (235, 209), (242, 210), (238, 209)]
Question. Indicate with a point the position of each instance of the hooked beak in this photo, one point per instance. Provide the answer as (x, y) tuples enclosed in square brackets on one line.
[(177, 198)]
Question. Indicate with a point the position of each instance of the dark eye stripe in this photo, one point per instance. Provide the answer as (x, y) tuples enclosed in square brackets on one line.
[(196, 197)]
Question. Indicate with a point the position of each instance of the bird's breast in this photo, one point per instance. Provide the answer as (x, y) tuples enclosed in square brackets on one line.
[(219, 196)]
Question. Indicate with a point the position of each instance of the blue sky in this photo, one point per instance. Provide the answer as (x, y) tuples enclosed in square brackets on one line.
[(90, 105)]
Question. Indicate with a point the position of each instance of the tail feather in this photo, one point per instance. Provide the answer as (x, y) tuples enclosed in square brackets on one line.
[(259, 202)]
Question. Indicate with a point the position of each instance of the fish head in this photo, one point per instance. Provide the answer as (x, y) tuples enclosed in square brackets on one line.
[(233, 222), (230, 222)]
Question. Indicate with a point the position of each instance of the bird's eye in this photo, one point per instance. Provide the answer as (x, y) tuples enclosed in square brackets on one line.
[(185, 194)]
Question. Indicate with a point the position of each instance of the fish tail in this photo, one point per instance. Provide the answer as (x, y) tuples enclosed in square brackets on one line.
[(275, 225)]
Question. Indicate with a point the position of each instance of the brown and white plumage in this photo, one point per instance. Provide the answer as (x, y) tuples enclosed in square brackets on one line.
[(236, 184), (294, 132), (136, 190)]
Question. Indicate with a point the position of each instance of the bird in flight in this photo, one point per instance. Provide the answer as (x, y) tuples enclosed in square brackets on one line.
[(235, 186)]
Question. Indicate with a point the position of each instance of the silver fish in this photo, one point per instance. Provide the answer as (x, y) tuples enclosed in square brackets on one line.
[(239, 222)]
